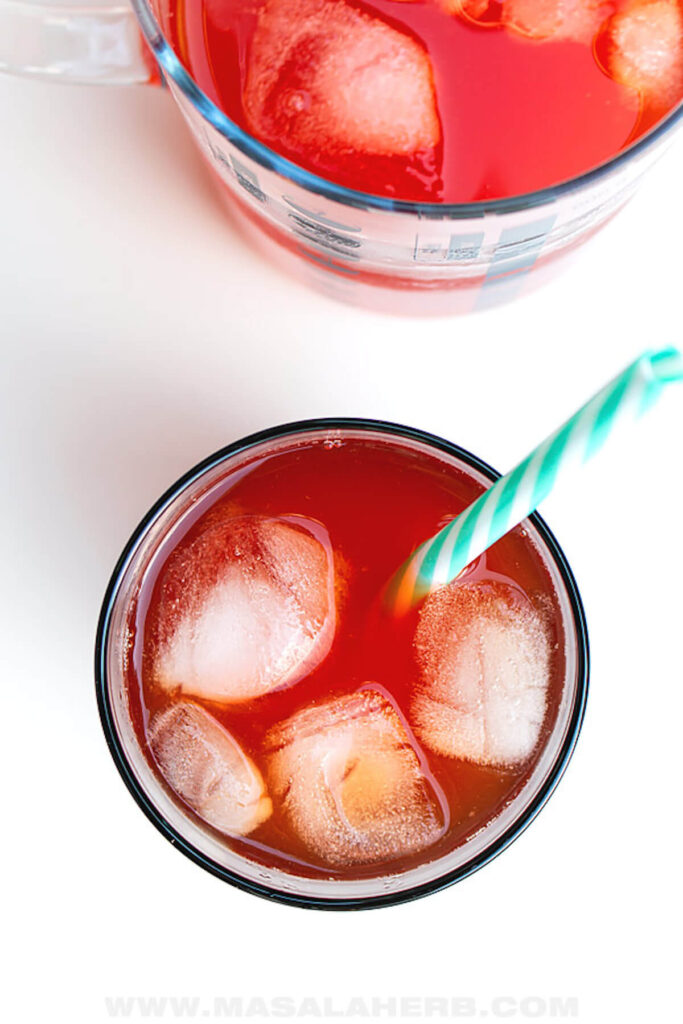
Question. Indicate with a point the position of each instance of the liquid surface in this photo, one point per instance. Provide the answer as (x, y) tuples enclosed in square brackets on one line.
[(427, 101), (371, 503)]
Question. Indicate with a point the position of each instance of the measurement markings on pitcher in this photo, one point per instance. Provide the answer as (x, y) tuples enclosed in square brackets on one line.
[(457, 247), (322, 232)]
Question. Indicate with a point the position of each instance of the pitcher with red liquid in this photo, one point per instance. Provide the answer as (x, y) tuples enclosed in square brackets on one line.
[(415, 156)]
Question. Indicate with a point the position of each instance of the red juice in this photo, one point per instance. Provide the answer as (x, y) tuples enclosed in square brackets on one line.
[(447, 101), (255, 724)]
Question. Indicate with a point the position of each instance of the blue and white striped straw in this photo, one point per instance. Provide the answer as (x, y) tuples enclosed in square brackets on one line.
[(514, 496)]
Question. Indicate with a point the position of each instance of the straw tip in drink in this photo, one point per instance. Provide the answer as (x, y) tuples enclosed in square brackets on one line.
[(404, 592)]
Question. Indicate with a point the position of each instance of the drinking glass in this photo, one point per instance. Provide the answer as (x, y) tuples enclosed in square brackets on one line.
[(152, 538)]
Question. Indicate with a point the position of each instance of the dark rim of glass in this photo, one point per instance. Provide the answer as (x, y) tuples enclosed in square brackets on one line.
[(170, 65), (336, 903)]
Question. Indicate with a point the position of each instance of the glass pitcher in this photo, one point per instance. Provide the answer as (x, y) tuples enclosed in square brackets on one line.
[(401, 257)]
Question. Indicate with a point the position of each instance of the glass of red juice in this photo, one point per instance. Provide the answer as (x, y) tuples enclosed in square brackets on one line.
[(280, 726)]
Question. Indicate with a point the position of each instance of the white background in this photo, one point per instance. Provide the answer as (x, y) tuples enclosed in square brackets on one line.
[(139, 333)]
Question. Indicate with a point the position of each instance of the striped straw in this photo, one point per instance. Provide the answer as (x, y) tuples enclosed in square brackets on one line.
[(514, 496)]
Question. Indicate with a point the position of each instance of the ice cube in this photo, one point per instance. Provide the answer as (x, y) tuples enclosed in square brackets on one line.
[(326, 77), (484, 655), (246, 608), (577, 20), (205, 765), (350, 781), (645, 50)]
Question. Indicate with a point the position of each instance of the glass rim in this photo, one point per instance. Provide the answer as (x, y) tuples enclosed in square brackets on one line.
[(268, 158), (121, 760)]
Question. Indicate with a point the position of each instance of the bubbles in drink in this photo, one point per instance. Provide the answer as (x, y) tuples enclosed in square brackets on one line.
[(350, 782), (205, 766), (645, 50), (246, 608), (324, 76), (484, 655)]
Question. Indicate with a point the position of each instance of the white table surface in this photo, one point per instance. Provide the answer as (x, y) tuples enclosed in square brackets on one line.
[(139, 333)]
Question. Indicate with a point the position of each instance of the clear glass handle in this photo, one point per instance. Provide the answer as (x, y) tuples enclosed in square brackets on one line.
[(84, 43)]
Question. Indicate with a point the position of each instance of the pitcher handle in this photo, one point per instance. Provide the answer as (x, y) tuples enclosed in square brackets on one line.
[(80, 43)]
